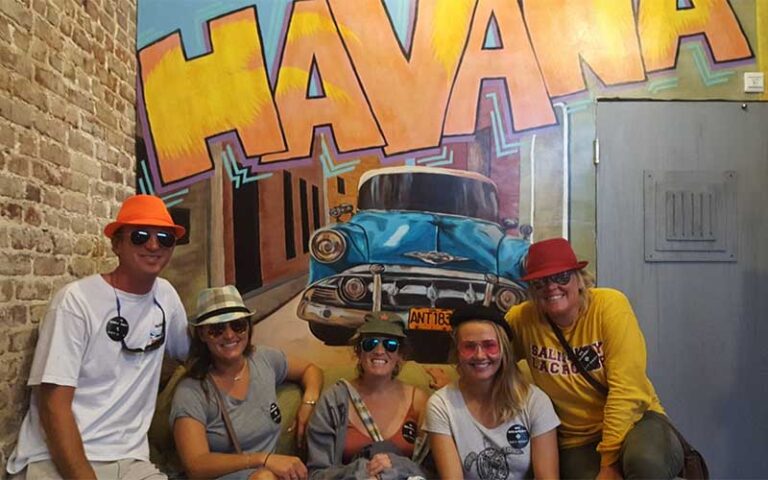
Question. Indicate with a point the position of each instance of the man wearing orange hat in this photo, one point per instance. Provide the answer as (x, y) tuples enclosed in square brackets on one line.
[(612, 423), (97, 362)]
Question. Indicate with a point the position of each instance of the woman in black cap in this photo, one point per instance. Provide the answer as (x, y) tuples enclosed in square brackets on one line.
[(491, 423), (369, 427)]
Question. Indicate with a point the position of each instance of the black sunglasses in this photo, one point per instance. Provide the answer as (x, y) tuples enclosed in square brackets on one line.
[(117, 330), (559, 278), (217, 329), (390, 344), (165, 239)]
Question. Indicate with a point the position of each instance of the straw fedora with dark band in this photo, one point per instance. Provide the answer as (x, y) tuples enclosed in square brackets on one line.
[(549, 257), (219, 305)]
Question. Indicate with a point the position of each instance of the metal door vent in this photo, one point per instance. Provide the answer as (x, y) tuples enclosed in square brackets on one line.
[(689, 216)]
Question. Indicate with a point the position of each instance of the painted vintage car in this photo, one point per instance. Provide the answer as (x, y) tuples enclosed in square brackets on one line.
[(423, 241)]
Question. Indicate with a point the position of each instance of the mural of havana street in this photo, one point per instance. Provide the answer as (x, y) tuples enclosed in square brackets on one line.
[(258, 119)]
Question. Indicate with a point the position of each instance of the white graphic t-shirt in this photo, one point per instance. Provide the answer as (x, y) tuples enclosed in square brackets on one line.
[(499, 453)]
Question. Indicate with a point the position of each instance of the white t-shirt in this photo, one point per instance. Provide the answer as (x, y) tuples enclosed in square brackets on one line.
[(115, 390), (497, 453)]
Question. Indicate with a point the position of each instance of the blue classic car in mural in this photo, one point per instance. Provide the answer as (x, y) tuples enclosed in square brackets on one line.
[(422, 242)]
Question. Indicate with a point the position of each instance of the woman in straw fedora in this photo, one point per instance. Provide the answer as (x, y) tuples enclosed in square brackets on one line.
[(225, 367), (613, 426), (491, 423), (378, 438)]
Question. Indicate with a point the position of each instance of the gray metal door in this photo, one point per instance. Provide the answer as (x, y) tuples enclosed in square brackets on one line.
[(682, 229)]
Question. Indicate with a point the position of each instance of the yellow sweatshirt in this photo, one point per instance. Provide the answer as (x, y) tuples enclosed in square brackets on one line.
[(610, 327)]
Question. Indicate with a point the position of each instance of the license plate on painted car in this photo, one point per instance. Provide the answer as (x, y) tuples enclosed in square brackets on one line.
[(436, 319)]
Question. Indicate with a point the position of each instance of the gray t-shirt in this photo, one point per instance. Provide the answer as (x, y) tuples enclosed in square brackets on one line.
[(497, 453), (256, 419)]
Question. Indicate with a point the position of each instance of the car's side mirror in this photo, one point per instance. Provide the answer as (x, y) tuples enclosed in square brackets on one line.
[(340, 210), (526, 231)]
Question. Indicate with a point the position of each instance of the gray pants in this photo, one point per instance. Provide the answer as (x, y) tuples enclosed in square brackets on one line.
[(128, 469), (650, 450)]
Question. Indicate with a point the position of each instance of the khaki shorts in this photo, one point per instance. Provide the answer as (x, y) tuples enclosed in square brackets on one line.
[(129, 469)]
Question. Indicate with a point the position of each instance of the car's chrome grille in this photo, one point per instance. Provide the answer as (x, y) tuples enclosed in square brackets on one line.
[(403, 291), (326, 295)]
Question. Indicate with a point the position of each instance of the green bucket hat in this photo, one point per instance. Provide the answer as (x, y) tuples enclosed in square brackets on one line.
[(219, 305)]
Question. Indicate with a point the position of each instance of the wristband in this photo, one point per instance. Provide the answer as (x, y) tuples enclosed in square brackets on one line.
[(309, 402)]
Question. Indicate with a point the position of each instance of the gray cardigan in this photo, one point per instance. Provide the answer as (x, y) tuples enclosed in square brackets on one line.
[(326, 435)]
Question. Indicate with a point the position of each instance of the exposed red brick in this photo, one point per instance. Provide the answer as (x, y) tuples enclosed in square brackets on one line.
[(18, 164), (82, 266), (10, 210), (6, 290), (32, 216), (48, 266), (24, 340), (48, 79), (33, 290), (32, 193), (54, 153), (46, 173), (15, 263), (17, 13)]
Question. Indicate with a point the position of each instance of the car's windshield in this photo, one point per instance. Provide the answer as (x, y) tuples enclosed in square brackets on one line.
[(439, 193)]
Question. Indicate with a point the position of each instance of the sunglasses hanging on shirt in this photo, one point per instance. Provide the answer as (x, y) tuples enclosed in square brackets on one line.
[(118, 327)]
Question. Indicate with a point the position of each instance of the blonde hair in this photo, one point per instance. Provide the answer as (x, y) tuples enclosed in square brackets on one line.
[(509, 390)]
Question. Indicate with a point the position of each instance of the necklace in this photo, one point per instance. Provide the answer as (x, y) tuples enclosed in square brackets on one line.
[(242, 371), (237, 376)]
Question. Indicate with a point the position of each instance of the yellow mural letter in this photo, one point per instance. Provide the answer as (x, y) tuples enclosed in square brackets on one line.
[(599, 32), (313, 42), (188, 101), (408, 93), (662, 24), (514, 61)]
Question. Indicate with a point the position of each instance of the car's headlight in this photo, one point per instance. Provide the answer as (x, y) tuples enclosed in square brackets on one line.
[(506, 298), (328, 246), (354, 288)]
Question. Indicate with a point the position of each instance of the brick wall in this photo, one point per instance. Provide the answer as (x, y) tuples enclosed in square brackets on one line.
[(67, 123)]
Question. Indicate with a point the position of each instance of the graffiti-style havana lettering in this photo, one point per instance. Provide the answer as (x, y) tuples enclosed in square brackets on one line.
[(377, 93)]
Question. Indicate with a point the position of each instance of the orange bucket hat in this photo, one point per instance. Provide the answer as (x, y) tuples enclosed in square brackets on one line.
[(145, 210)]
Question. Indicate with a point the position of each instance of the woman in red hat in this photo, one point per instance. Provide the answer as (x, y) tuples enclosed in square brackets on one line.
[(613, 425)]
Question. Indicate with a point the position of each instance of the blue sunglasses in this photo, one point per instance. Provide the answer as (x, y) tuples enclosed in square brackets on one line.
[(390, 344)]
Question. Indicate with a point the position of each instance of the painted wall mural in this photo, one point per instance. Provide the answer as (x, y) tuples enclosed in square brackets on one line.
[(262, 116)]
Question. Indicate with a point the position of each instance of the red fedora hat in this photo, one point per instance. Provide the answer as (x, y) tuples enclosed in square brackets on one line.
[(549, 257)]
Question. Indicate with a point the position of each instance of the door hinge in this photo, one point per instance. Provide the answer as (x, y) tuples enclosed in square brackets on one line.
[(596, 152)]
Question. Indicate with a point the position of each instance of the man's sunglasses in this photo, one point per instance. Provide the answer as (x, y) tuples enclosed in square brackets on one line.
[(164, 239), (559, 278), (390, 344), (217, 329)]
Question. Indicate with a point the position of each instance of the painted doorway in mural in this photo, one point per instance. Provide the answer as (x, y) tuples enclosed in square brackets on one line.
[(245, 213), (681, 229)]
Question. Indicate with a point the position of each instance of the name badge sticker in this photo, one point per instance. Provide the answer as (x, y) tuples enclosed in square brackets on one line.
[(117, 328)]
